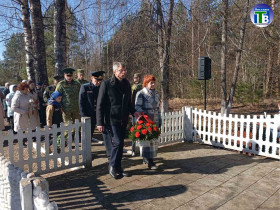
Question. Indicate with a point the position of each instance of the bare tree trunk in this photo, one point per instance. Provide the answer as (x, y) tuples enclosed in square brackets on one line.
[(192, 13), (59, 36), (68, 42), (160, 32), (278, 71), (100, 32), (223, 58), (268, 71), (198, 28), (164, 38), (238, 58), (269, 61), (85, 38), (38, 41), (27, 39)]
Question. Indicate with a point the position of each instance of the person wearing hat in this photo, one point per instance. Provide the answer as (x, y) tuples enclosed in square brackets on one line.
[(54, 113), (69, 88), (88, 97), (50, 89), (80, 76), (137, 86)]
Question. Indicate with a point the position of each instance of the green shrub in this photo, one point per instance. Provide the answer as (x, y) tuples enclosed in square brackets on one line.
[(247, 93)]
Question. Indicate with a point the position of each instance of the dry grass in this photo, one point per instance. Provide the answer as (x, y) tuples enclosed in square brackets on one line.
[(269, 106)]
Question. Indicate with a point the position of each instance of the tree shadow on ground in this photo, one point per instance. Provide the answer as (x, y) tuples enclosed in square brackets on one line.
[(87, 188), (99, 197)]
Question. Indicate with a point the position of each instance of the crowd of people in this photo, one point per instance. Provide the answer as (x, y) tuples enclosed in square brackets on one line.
[(108, 103)]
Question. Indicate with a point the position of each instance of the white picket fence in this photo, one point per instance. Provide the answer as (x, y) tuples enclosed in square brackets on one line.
[(172, 129), (241, 133), (41, 154)]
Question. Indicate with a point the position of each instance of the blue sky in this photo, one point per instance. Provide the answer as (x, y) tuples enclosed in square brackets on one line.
[(7, 10), (108, 29)]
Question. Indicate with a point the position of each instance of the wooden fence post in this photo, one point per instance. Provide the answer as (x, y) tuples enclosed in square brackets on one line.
[(86, 141)]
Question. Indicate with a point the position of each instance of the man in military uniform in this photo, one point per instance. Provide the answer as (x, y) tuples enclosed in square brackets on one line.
[(87, 103), (69, 88), (50, 89), (88, 97), (137, 86), (80, 76)]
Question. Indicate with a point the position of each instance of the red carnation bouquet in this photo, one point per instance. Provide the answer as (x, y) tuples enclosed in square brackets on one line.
[(144, 130)]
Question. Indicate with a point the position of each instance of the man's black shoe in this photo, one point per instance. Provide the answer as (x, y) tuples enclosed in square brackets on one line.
[(145, 161), (113, 172), (123, 173)]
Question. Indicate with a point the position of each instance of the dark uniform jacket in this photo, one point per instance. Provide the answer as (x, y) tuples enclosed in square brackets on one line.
[(87, 101), (114, 102)]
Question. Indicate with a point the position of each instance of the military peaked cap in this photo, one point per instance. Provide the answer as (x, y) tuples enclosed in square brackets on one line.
[(98, 74), (68, 71)]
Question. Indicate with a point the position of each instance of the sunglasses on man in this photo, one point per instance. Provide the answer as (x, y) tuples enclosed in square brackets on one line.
[(69, 75)]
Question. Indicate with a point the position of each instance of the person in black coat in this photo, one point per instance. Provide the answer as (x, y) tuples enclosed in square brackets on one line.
[(5, 91), (87, 104), (113, 108), (88, 97)]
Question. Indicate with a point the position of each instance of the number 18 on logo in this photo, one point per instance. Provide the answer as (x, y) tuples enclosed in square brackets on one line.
[(261, 15)]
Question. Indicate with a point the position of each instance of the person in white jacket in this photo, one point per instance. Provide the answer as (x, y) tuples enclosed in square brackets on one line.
[(10, 112), (21, 107)]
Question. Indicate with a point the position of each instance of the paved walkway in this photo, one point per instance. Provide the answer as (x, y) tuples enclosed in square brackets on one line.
[(191, 176)]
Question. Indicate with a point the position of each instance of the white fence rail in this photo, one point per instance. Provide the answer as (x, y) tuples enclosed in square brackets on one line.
[(256, 135), (42, 154)]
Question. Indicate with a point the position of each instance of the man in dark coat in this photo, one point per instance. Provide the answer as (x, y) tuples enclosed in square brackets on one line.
[(5, 91), (113, 108), (88, 97), (42, 104), (87, 104)]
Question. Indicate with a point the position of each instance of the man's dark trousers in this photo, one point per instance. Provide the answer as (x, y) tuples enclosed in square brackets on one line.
[(107, 137), (118, 132)]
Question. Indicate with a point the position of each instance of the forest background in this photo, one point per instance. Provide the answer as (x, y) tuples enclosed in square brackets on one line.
[(160, 37)]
